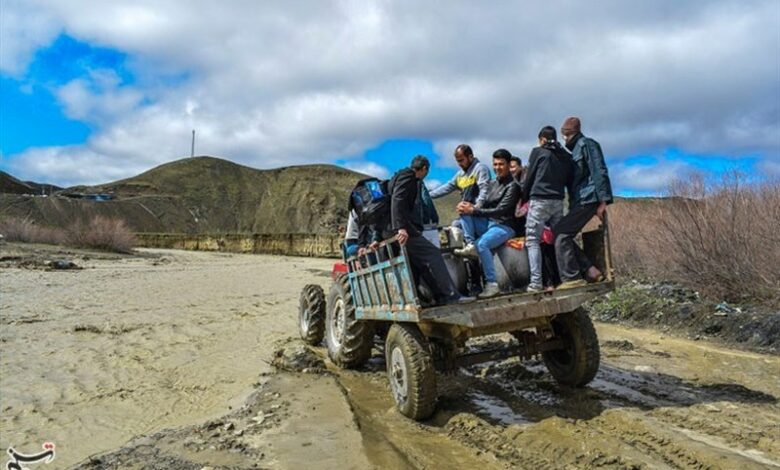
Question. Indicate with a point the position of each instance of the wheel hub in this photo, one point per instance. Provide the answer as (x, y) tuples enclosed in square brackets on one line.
[(339, 320), (398, 378)]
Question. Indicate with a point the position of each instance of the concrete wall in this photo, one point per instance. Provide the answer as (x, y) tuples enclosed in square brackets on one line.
[(278, 244)]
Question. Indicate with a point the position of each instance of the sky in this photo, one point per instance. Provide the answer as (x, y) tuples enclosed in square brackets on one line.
[(94, 91)]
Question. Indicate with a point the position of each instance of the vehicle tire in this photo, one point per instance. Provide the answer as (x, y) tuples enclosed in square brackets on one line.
[(349, 340), (311, 314), (410, 371), (577, 363)]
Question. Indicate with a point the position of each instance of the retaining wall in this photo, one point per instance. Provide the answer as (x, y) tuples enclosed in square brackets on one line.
[(277, 244)]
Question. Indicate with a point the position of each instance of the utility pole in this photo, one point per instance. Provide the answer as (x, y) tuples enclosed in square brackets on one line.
[(192, 150)]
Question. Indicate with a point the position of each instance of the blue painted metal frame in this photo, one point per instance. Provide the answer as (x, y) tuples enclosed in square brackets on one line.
[(383, 285)]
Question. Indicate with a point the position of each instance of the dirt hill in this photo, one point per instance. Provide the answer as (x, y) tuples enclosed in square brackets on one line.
[(208, 195), (11, 185)]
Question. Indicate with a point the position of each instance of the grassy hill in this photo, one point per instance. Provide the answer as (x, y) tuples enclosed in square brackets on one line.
[(210, 195)]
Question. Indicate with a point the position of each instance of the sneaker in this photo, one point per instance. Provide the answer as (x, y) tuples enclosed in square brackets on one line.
[(491, 290), (534, 289), (573, 284), (470, 251)]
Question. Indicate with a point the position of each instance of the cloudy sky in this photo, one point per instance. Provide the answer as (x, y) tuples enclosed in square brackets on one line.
[(93, 91)]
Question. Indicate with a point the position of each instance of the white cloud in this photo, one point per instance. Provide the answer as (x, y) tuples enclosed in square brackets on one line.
[(276, 83), (369, 168)]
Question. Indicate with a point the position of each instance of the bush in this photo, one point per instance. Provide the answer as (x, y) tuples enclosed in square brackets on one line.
[(16, 230), (102, 233), (721, 238)]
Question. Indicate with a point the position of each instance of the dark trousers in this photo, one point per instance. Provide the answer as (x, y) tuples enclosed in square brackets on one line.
[(572, 262), (428, 265)]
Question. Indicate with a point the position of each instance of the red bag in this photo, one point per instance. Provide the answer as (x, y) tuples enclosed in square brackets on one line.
[(547, 236)]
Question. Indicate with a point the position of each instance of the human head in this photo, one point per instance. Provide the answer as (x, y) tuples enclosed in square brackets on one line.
[(547, 135), (420, 165), (516, 166), (501, 158), (571, 126), (464, 156)]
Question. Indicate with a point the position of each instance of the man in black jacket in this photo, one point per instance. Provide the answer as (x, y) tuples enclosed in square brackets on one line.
[(591, 192), (499, 209), (406, 223), (549, 173)]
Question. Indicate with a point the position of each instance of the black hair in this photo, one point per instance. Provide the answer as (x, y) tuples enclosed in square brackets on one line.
[(419, 162), (465, 149), (517, 160), (548, 132), (502, 154)]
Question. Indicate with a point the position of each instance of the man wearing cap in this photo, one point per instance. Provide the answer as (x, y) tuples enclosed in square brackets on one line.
[(591, 192)]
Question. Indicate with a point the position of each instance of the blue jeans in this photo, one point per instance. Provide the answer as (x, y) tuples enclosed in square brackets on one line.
[(495, 236), (472, 227)]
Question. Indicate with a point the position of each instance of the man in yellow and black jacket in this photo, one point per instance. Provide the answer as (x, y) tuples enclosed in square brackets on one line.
[(472, 180)]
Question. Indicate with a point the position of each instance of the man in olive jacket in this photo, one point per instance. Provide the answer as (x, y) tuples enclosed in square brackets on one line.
[(591, 192)]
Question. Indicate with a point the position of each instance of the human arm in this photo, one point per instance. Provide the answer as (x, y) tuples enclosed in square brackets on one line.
[(598, 171), (506, 205), (530, 174), (444, 189), (483, 183), (402, 202)]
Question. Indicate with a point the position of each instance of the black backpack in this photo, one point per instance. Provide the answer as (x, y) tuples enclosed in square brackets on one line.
[(371, 201)]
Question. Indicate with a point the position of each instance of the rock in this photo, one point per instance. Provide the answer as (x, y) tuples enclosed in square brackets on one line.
[(62, 264)]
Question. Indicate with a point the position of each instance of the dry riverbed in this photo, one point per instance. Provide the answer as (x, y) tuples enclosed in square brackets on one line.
[(164, 360)]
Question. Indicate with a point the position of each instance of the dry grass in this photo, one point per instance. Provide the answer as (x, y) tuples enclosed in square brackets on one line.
[(100, 233), (722, 239), (103, 234), (16, 230)]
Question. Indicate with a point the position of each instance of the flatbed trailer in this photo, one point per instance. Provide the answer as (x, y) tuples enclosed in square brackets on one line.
[(378, 295)]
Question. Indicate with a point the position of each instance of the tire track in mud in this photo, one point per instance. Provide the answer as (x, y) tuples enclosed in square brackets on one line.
[(634, 415)]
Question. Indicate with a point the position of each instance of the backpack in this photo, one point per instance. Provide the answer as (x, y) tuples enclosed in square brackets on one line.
[(371, 201)]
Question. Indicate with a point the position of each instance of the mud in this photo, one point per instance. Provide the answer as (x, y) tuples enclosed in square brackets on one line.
[(102, 367)]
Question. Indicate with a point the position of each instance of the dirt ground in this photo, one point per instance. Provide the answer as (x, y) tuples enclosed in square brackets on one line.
[(164, 361)]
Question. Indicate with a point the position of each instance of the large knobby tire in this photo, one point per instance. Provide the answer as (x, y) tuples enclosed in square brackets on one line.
[(577, 363), (349, 340), (311, 314), (410, 371)]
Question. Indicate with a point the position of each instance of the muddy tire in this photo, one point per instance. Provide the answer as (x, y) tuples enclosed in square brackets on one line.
[(311, 314), (577, 363), (349, 340), (410, 371)]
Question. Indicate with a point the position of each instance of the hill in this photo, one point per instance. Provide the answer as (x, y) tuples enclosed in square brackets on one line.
[(208, 195), (11, 185)]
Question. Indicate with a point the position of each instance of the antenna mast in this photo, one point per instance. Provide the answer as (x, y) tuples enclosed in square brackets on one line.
[(192, 150)]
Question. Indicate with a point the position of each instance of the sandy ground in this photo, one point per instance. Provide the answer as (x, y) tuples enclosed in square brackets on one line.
[(162, 361)]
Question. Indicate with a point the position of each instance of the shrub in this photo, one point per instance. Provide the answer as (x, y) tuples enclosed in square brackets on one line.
[(102, 233), (18, 230), (721, 238)]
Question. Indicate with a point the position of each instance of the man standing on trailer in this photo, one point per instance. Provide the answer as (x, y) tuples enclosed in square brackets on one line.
[(591, 193)]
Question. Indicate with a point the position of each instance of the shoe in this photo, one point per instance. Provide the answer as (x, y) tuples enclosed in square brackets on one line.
[(573, 284), (534, 289), (456, 299), (491, 290), (469, 251), (594, 275)]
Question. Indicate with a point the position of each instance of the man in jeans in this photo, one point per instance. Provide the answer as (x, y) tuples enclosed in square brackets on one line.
[(549, 173), (591, 192), (472, 180), (498, 211)]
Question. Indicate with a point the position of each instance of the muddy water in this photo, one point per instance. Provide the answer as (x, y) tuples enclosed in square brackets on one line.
[(656, 403), (128, 346)]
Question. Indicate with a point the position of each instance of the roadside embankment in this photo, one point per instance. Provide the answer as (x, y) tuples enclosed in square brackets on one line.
[(289, 244)]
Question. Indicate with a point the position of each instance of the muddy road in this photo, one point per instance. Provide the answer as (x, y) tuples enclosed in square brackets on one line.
[(165, 361)]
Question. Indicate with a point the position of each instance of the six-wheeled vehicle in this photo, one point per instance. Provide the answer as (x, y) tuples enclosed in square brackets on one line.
[(375, 294)]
